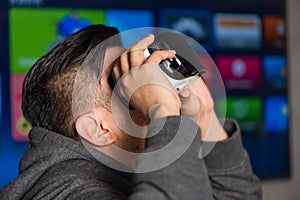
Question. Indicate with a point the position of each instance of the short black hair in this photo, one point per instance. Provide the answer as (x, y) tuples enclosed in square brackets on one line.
[(47, 87)]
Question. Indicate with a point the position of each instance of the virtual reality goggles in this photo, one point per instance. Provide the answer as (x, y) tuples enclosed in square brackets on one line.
[(180, 70)]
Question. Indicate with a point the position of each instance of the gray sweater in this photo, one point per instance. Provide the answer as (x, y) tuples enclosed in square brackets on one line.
[(57, 167)]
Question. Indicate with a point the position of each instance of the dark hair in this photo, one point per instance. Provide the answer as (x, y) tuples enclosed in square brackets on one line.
[(47, 87)]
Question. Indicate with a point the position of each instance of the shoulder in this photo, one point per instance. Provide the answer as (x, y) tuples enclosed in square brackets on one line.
[(75, 179), (95, 191)]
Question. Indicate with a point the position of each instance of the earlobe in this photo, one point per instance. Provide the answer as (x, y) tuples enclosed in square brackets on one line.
[(91, 130)]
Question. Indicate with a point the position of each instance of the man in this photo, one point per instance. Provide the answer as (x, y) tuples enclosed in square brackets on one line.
[(75, 143)]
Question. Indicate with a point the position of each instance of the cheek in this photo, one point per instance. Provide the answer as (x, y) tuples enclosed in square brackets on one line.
[(113, 125)]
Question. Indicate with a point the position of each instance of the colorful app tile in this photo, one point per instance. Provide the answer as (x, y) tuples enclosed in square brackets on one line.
[(126, 20), (274, 32), (240, 72), (194, 23), (34, 31), (275, 71), (212, 77), (19, 126), (237, 31), (129, 19), (276, 114), (246, 110)]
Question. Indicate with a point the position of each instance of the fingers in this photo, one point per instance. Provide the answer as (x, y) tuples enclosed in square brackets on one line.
[(158, 56), (134, 56), (190, 106), (143, 43), (117, 70), (200, 87), (124, 62), (203, 94), (136, 50)]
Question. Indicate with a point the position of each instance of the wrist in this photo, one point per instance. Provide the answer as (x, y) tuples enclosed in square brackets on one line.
[(213, 130)]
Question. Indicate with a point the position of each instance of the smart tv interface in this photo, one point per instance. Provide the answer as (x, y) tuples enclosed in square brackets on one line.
[(246, 40)]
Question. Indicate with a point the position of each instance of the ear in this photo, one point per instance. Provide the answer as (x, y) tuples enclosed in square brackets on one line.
[(90, 129)]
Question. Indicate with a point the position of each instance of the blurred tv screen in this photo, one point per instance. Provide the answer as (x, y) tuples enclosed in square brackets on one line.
[(246, 39)]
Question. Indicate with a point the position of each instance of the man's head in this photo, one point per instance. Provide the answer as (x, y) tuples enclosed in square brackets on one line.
[(48, 86)]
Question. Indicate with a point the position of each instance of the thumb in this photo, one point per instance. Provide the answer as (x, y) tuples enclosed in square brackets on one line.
[(190, 106)]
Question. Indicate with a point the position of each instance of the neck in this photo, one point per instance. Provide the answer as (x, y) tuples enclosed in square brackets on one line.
[(126, 158)]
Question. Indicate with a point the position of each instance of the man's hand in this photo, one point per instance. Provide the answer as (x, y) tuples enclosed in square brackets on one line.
[(143, 83), (198, 104)]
